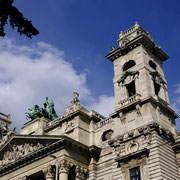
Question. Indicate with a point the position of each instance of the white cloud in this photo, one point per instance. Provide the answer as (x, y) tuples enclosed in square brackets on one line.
[(104, 105), (30, 73), (175, 104)]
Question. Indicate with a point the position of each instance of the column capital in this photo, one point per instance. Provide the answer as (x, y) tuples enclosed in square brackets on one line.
[(64, 166), (49, 172), (81, 172)]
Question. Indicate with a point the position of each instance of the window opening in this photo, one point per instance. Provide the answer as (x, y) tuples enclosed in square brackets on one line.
[(152, 64), (156, 88), (107, 135), (1, 134), (129, 65), (135, 173), (72, 173), (37, 176), (131, 89)]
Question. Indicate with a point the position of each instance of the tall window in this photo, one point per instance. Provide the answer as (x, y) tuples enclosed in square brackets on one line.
[(72, 174), (156, 88), (131, 89), (135, 173)]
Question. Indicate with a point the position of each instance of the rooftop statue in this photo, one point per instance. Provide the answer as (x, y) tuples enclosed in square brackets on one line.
[(16, 19), (37, 111)]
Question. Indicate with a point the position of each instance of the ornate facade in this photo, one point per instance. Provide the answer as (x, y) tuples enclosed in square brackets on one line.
[(139, 140)]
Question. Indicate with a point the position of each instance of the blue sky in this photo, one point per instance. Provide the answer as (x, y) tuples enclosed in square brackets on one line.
[(80, 33)]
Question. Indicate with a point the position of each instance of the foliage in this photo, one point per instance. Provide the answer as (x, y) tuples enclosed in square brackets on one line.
[(16, 19)]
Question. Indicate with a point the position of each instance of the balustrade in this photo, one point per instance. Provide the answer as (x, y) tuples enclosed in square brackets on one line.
[(129, 100), (104, 122)]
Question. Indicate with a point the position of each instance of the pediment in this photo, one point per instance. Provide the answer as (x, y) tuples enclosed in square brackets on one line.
[(23, 149)]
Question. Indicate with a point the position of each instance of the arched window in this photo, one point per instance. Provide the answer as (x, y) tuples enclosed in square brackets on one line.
[(152, 64), (129, 65), (107, 135)]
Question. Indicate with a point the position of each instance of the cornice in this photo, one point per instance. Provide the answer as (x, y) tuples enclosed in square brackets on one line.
[(62, 142), (157, 101), (32, 157), (142, 39), (57, 122), (134, 155), (142, 130)]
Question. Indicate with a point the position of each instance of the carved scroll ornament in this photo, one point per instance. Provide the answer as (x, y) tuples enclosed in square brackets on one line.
[(157, 78), (128, 77), (19, 151)]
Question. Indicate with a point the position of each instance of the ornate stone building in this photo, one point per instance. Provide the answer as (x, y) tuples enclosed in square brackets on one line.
[(139, 140)]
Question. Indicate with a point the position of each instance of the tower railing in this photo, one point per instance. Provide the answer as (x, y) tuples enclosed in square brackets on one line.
[(129, 100)]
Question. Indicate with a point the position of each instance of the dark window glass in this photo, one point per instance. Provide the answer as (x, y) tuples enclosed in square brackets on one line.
[(135, 174)]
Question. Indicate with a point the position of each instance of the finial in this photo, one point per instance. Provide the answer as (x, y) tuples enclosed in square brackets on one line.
[(136, 24)]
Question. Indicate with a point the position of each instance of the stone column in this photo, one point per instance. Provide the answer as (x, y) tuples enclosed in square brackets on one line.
[(81, 173), (152, 87), (91, 137), (49, 172), (137, 84), (64, 167)]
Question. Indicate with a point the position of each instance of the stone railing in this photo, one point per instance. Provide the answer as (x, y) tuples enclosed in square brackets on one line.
[(162, 101), (127, 31), (129, 100), (130, 30), (104, 122)]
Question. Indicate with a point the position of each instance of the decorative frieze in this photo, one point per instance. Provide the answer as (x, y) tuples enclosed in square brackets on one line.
[(145, 131), (127, 77), (19, 151)]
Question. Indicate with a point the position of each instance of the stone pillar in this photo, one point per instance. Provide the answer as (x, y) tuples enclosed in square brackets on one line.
[(49, 173), (81, 173), (64, 167), (152, 87), (92, 169), (91, 137), (137, 84), (123, 92)]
